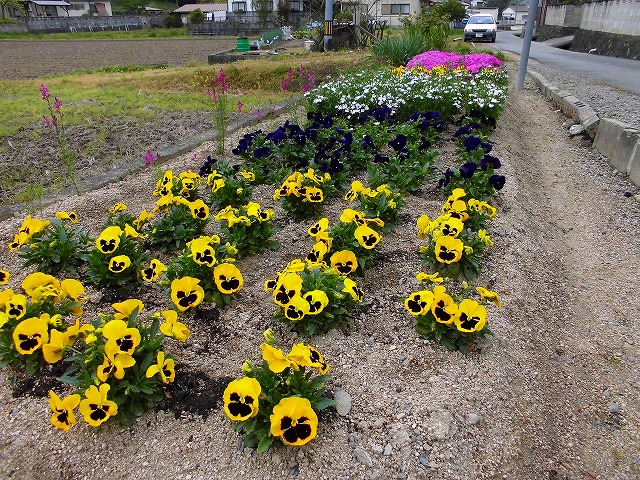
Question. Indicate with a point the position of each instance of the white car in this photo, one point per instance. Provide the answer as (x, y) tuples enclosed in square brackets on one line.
[(480, 27)]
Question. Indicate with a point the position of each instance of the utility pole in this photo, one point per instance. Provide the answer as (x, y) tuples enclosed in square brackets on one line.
[(526, 43), (328, 24)]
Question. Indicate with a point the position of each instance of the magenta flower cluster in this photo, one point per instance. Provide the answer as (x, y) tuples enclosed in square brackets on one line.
[(305, 77), (473, 62), (54, 109)]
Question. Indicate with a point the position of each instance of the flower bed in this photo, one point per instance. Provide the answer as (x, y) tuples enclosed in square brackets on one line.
[(120, 366)]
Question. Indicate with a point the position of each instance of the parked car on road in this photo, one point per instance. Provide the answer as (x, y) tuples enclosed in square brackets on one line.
[(480, 27)]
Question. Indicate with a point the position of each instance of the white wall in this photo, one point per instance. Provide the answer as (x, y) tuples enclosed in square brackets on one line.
[(621, 17), (613, 16)]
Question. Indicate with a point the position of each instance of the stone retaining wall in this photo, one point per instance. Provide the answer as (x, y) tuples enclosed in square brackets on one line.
[(617, 141), (610, 44)]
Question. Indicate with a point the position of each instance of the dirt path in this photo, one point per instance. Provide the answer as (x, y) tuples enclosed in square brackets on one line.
[(35, 59), (572, 262), (555, 395)]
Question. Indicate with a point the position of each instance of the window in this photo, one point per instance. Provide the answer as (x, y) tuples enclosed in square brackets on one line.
[(77, 6), (396, 9), (296, 6), (239, 6)]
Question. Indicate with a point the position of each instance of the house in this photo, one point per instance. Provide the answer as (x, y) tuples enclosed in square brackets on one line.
[(391, 11), (483, 11), (247, 6), (216, 12), (93, 9), (516, 14), (61, 8), (47, 8)]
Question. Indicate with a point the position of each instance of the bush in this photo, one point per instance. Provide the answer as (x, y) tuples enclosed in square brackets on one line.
[(171, 20), (343, 16), (196, 16), (398, 51)]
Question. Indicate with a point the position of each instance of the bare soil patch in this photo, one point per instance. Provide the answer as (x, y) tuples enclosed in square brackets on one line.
[(38, 58)]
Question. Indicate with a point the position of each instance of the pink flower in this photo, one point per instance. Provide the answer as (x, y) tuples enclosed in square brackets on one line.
[(44, 91), (258, 114), (46, 121), (149, 158), (57, 104), (222, 82), (284, 85), (473, 62), (240, 104), (214, 95)]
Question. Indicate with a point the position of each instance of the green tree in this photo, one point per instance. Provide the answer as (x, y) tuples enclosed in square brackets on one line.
[(262, 8), (196, 16), (451, 10), (6, 6)]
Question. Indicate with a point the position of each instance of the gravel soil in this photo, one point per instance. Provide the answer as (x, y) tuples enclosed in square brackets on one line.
[(554, 395), (38, 58)]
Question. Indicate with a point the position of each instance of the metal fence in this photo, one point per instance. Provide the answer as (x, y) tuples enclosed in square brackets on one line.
[(247, 23), (89, 24)]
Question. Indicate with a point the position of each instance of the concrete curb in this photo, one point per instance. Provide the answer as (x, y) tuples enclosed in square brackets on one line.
[(164, 155), (617, 141)]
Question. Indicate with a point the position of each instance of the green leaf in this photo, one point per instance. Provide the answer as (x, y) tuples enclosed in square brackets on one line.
[(324, 403), (68, 379), (448, 344), (264, 444)]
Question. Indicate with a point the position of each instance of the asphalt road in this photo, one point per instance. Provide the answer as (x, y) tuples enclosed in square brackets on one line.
[(617, 72)]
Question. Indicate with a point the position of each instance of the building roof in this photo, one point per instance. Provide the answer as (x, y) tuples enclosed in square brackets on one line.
[(203, 7), (54, 3)]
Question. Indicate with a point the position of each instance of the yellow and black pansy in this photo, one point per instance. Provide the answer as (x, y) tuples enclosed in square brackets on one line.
[(96, 408), (448, 249), (114, 365), (120, 338), (294, 421), (314, 194), (119, 263), (320, 226), (228, 278), (317, 300), (202, 252), (344, 262), (109, 239), (296, 309), (352, 289), (199, 209), (419, 303), (153, 271), (451, 227), (317, 253), (367, 237), (71, 216), (241, 399), (186, 293), (30, 335), (289, 285), (16, 306), (443, 306), (117, 208), (63, 416), (306, 355), (470, 316), (165, 368)]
